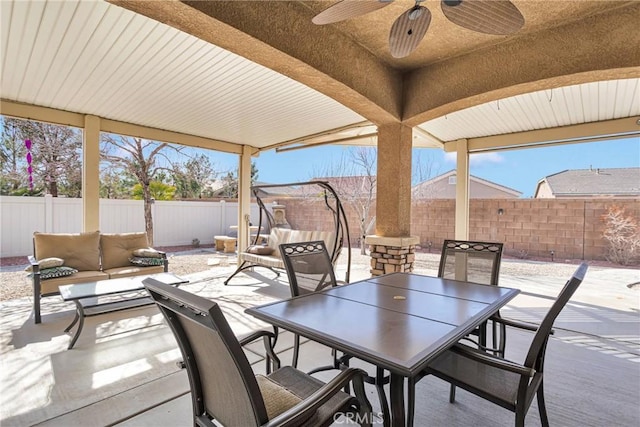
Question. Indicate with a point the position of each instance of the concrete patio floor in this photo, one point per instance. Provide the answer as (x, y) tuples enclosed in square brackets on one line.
[(122, 370)]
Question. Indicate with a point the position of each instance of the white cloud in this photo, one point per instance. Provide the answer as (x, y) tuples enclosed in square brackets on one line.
[(478, 159)]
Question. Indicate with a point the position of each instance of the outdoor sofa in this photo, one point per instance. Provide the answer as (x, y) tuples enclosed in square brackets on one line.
[(64, 259)]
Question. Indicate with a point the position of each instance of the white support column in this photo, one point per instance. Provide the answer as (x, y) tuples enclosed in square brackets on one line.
[(462, 191), (244, 197), (91, 174)]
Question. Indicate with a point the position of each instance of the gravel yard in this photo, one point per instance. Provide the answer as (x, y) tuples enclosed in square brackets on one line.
[(185, 260)]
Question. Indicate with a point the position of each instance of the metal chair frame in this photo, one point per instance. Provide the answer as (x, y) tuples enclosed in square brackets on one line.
[(223, 385), (291, 252), (481, 382)]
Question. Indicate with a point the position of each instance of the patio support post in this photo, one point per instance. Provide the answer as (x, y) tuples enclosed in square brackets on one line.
[(244, 196), (91, 174), (392, 248), (461, 231)]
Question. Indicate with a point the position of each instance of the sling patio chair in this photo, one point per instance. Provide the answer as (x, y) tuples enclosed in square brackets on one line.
[(477, 262), (224, 388), (506, 383), (310, 269)]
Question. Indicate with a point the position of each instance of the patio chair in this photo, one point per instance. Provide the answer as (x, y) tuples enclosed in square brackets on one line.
[(477, 262), (508, 384), (223, 385), (310, 269)]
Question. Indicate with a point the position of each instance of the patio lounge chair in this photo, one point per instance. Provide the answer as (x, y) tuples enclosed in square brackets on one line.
[(223, 385), (508, 384)]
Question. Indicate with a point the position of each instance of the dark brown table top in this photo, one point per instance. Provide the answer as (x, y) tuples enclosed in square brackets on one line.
[(398, 321)]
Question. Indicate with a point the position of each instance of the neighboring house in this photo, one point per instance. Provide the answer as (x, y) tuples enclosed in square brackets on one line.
[(444, 187), (592, 183)]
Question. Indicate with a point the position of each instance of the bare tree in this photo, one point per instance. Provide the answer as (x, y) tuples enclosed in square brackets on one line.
[(354, 179), (12, 159), (56, 152), (140, 158), (424, 168)]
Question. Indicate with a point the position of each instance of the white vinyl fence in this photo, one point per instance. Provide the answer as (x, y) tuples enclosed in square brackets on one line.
[(174, 223)]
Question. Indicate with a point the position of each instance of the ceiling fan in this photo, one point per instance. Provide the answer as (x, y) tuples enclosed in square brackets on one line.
[(500, 17)]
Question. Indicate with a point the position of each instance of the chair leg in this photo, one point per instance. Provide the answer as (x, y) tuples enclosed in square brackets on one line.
[(541, 406), (365, 410), (382, 396), (411, 400), (452, 394), (296, 348), (36, 300)]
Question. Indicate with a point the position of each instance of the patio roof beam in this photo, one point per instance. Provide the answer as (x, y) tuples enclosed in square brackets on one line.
[(610, 129), (66, 118), (41, 114), (163, 135), (328, 133)]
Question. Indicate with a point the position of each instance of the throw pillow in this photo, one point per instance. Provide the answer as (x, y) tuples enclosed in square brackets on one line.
[(52, 273), (147, 253), (145, 261), (260, 250), (47, 263)]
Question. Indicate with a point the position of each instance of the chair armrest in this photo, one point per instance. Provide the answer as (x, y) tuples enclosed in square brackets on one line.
[(165, 260), (35, 265), (269, 339), (305, 409), (254, 336), (494, 361), (517, 324)]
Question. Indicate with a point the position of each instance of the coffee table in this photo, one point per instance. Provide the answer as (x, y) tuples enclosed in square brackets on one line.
[(90, 300)]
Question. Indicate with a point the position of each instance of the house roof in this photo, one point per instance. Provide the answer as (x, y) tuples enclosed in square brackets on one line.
[(424, 184), (600, 182)]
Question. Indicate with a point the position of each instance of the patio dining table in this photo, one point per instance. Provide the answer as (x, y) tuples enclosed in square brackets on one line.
[(398, 322)]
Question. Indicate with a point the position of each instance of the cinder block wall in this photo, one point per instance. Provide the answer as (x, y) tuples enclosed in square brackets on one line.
[(528, 227)]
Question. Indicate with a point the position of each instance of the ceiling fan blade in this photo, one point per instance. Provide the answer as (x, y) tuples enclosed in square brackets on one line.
[(408, 30), (500, 17), (347, 9)]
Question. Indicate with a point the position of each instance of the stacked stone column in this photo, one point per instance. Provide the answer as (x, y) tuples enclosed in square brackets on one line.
[(391, 254)]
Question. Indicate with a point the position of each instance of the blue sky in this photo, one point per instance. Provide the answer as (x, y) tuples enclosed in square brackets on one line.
[(517, 169)]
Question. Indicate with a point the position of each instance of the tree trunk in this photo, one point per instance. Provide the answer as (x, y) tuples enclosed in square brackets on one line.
[(148, 218), (363, 246), (53, 189)]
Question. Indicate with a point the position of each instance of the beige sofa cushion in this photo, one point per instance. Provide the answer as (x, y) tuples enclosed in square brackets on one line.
[(118, 248), (279, 236), (133, 270), (79, 250)]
